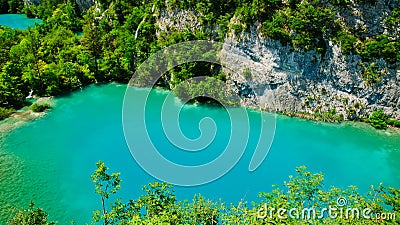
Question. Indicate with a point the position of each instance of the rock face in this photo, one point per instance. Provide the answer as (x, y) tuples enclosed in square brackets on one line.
[(273, 77), (83, 4), (285, 81), (32, 2), (170, 20)]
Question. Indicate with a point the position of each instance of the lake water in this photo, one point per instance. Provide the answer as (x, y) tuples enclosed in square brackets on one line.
[(50, 160), (19, 21)]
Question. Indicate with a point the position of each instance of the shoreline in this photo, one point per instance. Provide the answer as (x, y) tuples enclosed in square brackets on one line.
[(23, 116), (311, 117)]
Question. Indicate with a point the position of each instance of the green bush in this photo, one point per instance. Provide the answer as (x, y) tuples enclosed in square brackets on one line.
[(4, 113), (209, 90), (347, 42), (372, 75), (329, 116), (40, 107), (393, 21), (378, 119), (393, 123), (277, 28), (309, 24), (381, 46)]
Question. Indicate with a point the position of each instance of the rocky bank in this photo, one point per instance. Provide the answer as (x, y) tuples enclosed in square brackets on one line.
[(279, 79), (274, 77)]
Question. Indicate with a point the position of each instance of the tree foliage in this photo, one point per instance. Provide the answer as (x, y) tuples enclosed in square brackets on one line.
[(74, 47), (30, 216), (105, 185), (40, 107), (305, 190)]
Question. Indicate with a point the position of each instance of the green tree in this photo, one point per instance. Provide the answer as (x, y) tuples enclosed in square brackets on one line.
[(28, 53), (8, 38), (67, 16), (115, 61), (46, 7), (105, 185), (15, 6), (12, 93), (92, 35), (4, 6), (200, 211), (305, 190), (310, 23), (57, 40), (277, 28), (31, 216)]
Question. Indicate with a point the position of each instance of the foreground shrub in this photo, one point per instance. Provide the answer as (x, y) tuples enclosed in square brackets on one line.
[(31, 216), (301, 200)]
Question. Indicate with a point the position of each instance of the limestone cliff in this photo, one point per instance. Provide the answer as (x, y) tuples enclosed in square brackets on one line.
[(275, 77), (280, 79), (286, 81)]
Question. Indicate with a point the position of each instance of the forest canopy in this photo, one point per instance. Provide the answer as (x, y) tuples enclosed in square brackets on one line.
[(80, 44)]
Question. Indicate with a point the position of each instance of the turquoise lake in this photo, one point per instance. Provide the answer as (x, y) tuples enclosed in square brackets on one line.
[(50, 160), (18, 21)]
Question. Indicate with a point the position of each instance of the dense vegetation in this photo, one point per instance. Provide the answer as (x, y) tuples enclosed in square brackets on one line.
[(40, 107), (78, 45), (158, 205), (380, 120)]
